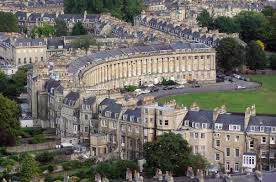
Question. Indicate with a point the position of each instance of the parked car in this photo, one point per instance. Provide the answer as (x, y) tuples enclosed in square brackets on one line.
[(237, 76), (241, 87), (195, 85), (180, 86)]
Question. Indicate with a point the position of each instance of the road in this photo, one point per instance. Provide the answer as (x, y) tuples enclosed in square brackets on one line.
[(223, 86)]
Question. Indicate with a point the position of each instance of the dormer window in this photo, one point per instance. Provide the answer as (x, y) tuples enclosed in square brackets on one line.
[(218, 126), (124, 117), (139, 120), (186, 123), (234, 127), (29, 44), (107, 113), (197, 125), (273, 129), (261, 129), (131, 118), (40, 43), (204, 125), (252, 128)]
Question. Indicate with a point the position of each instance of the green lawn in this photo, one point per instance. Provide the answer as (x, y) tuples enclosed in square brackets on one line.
[(236, 101)]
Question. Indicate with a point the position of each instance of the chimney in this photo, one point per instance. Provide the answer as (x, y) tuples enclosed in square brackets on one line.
[(218, 111), (194, 107), (250, 111)]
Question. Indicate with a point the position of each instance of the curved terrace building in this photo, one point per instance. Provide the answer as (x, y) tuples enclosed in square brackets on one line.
[(145, 65)]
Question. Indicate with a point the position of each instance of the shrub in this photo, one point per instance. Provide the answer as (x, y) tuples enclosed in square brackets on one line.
[(272, 61), (38, 139), (45, 157), (50, 168)]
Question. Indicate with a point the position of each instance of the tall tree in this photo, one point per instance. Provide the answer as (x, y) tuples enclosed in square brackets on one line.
[(78, 29), (84, 42), (204, 19), (255, 56), (170, 152), (8, 22), (226, 25), (230, 54), (268, 11), (9, 122), (60, 28), (252, 25), (29, 168)]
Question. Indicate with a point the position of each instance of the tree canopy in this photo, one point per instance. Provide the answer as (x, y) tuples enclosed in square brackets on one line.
[(230, 54), (8, 22), (43, 31), (226, 24), (255, 56), (12, 86), (84, 42), (9, 121), (204, 19), (123, 9), (79, 29), (29, 168), (60, 28), (170, 152)]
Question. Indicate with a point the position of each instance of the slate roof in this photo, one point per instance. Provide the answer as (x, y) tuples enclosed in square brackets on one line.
[(227, 119), (89, 100), (113, 108), (29, 42), (51, 84), (107, 101), (71, 98), (202, 116), (133, 112), (77, 66), (263, 121)]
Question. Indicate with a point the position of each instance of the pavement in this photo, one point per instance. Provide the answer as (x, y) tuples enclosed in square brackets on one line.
[(222, 86)]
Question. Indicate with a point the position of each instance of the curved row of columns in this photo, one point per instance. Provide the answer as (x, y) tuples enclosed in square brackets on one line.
[(151, 65)]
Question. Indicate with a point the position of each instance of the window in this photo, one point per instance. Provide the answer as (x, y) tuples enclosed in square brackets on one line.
[(30, 60), (137, 129), (234, 127), (116, 115), (186, 123), (204, 125), (261, 129), (123, 127), (227, 166), (217, 157), (227, 137), (41, 58), (218, 126), (86, 129), (227, 152), (263, 140), (166, 122), (129, 128), (103, 123), (197, 125), (251, 144), (273, 129), (146, 111), (237, 138), (160, 122), (237, 167), (85, 116), (196, 149), (196, 135), (107, 113), (160, 113), (252, 128), (131, 118), (19, 61), (218, 143), (124, 117), (237, 152), (191, 134), (202, 135), (113, 124)]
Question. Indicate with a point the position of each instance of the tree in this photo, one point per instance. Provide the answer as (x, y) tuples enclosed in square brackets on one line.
[(204, 19), (226, 25), (84, 42), (43, 31), (170, 152), (9, 121), (272, 61), (8, 22), (255, 56), (261, 44), (252, 25), (230, 54), (29, 168), (268, 11), (60, 28), (78, 29)]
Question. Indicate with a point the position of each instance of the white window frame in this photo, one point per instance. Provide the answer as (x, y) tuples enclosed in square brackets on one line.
[(262, 128), (262, 141), (186, 123), (204, 125)]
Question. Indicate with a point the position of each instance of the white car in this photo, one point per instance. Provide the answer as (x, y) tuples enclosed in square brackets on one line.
[(180, 86), (237, 76), (240, 87)]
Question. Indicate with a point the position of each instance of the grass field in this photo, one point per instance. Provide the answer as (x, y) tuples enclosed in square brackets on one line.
[(236, 101)]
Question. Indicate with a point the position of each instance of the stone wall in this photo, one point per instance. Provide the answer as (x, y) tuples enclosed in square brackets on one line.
[(32, 147)]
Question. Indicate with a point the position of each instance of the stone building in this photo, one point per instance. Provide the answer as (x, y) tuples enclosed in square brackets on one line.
[(145, 65)]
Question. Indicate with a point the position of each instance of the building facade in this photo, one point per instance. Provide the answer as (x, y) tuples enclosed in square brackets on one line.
[(142, 65)]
